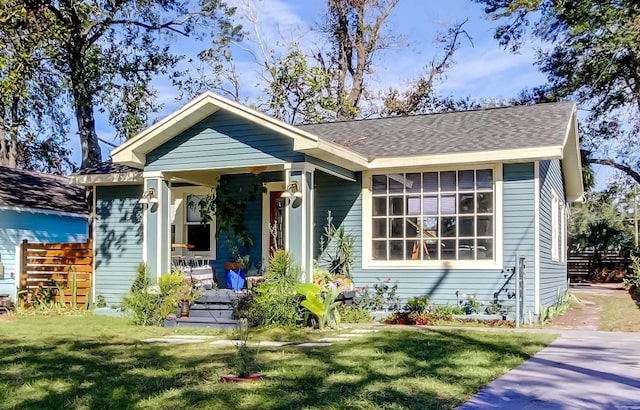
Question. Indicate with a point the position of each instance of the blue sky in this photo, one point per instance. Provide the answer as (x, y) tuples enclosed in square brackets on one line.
[(482, 69)]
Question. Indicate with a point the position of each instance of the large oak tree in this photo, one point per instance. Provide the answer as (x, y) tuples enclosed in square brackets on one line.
[(591, 53), (104, 54)]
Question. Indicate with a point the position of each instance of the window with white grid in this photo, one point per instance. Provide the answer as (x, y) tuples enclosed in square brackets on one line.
[(436, 215)]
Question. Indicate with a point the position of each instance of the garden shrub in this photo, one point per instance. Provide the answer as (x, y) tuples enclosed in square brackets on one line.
[(418, 304), (448, 310), (631, 280), (383, 296), (434, 319), (274, 301), (354, 314), (148, 304)]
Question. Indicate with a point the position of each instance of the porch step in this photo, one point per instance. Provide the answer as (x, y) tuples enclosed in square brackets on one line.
[(211, 310), (203, 322), (219, 296)]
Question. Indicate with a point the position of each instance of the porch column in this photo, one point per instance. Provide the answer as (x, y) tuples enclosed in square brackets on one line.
[(299, 235), (156, 227)]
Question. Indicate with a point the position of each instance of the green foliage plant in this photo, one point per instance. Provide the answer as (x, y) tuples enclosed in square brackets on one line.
[(245, 359), (228, 205), (562, 303), (43, 300), (631, 281), (383, 297), (337, 249), (275, 301), (100, 301), (150, 304), (418, 304), (321, 302), (353, 314), (448, 310), (471, 305), (142, 302)]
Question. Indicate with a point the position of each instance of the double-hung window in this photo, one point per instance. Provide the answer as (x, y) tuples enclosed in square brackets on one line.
[(558, 228), (198, 235), (435, 215)]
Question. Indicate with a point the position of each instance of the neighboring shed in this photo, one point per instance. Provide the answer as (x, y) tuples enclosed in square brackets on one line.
[(39, 208)]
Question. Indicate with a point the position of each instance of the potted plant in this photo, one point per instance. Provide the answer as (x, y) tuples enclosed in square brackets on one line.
[(228, 204), (185, 295)]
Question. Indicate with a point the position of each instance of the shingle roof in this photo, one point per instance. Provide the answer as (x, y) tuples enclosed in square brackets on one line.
[(35, 190), (464, 131), (107, 167)]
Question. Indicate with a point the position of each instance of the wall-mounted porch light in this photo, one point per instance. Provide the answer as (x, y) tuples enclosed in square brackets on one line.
[(293, 190), (293, 194), (148, 197)]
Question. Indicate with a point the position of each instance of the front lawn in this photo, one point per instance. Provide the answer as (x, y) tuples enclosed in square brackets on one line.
[(100, 362)]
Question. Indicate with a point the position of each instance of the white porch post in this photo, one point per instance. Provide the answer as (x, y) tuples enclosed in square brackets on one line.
[(299, 221), (156, 227)]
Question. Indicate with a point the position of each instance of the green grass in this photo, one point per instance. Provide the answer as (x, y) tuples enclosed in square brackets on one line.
[(619, 312), (99, 362)]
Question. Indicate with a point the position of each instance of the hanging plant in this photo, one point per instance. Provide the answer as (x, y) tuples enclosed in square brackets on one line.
[(227, 203)]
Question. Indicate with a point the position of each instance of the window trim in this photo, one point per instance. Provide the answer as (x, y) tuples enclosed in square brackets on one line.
[(367, 216), (178, 217)]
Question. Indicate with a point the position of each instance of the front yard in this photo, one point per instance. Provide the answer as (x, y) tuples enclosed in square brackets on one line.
[(91, 362)]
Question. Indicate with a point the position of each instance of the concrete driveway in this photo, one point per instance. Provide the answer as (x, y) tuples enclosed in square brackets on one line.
[(580, 370)]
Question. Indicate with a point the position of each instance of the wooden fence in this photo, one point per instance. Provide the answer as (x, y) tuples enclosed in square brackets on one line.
[(583, 265), (51, 272)]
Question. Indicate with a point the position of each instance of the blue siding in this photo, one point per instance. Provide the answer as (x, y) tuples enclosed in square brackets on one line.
[(34, 226), (519, 223), (118, 240), (553, 274), (345, 201), (223, 140)]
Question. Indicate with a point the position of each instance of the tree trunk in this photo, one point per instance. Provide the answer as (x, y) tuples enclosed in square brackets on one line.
[(83, 106)]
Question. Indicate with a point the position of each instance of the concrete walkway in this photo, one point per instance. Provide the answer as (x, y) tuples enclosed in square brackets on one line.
[(579, 370)]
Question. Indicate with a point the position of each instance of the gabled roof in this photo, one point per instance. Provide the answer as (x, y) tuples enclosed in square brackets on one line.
[(512, 134), (133, 152), (35, 190), (542, 125)]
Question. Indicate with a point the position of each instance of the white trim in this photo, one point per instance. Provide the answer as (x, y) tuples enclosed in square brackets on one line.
[(266, 214), (144, 227), (178, 196), (43, 211), (536, 238), (555, 226), (478, 157), (159, 210), (107, 179), (571, 159), (18, 271), (287, 181), (153, 174), (496, 263)]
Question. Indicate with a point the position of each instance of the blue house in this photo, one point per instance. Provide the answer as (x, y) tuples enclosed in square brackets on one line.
[(443, 204), (39, 208)]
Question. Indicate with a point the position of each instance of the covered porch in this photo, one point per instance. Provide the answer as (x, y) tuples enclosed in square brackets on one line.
[(282, 215)]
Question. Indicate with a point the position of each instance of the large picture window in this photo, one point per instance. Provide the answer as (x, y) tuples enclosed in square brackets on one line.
[(446, 215)]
